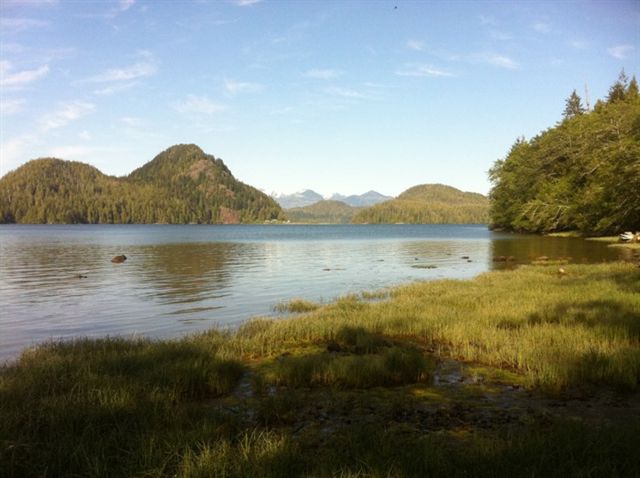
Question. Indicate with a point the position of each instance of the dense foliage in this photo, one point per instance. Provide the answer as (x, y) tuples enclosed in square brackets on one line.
[(429, 204), (583, 174), (332, 212), (180, 185)]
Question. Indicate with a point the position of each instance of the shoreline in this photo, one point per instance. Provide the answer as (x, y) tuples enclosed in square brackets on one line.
[(457, 369), (612, 241)]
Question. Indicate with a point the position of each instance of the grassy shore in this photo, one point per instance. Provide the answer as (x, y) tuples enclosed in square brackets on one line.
[(528, 372), (614, 241)]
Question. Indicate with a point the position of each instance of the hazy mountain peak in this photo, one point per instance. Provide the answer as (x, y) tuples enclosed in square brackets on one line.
[(369, 198)]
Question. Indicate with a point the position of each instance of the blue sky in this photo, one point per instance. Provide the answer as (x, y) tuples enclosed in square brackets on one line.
[(335, 96)]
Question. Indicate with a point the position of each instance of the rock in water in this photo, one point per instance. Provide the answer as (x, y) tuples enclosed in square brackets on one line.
[(119, 259)]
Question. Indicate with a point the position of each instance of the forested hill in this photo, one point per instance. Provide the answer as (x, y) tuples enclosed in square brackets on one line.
[(429, 204), (180, 185), (583, 174)]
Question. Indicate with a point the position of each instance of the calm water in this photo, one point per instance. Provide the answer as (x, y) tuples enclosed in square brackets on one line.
[(182, 279)]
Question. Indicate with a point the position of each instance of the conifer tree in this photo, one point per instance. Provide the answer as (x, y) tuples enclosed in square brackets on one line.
[(632, 90), (573, 106), (617, 91)]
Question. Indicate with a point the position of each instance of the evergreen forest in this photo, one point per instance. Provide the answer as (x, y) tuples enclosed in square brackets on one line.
[(581, 175), (180, 185), (429, 204)]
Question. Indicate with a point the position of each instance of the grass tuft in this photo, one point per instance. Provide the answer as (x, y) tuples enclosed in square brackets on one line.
[(296, 306)]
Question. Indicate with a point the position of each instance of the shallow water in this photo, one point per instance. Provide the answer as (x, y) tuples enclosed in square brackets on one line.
[(186, 278)]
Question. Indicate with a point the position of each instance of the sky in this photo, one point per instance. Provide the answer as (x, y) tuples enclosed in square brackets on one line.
[(334, 96)]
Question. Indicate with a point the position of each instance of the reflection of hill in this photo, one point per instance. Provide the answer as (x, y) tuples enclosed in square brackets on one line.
[(188, 272)]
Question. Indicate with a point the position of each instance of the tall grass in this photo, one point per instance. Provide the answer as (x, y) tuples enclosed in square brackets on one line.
[(559, 331), (99, 408), (394, 366)]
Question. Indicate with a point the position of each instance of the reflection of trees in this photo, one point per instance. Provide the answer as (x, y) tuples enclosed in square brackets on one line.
[(188, 272), (528, 248)]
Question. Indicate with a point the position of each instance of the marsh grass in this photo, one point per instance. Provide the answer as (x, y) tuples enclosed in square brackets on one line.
[(115, 407), (531, 321), (393, 366), (296, 306), (565, 449), (95, 406)]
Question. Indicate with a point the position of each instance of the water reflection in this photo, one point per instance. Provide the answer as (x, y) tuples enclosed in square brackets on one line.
[(185, 273), (510, 250)]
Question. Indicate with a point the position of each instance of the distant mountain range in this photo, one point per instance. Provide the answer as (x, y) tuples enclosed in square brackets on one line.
[(299, 199), (180, 185), (367, 199), (184, 185), (423, 204), (309, 197)]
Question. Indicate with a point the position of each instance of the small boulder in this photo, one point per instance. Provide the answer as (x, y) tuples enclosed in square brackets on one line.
[(119, 259)]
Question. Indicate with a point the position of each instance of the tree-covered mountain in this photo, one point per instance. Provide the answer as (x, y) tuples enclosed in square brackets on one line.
[(361, 200), (583, 174), (326, 211), (429, 204), (299, 199), (180, 185)]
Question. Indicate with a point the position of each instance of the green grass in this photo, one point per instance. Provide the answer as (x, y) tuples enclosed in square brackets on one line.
[(296, 306), (393, 366), (532, 320), (346, 389)]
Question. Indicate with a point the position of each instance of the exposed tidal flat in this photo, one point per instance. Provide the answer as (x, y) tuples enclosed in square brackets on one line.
[(524, 372)]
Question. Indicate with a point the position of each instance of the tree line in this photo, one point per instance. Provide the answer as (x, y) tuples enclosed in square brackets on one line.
[(582, 175)]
